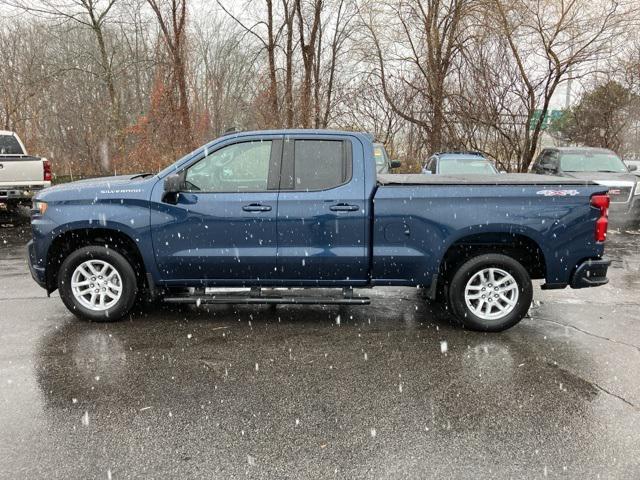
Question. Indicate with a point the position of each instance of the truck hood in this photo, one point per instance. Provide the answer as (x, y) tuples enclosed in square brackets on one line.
[(605, 178), (120, 186)]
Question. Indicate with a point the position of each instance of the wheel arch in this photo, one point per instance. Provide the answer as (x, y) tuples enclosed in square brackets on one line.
[(520, 246), (74, 238)]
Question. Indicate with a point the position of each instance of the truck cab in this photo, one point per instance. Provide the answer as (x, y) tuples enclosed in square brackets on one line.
[(267, 207)]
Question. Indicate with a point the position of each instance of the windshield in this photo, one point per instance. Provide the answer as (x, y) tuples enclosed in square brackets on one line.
[(9, 145), (475, 165), (591, 162)]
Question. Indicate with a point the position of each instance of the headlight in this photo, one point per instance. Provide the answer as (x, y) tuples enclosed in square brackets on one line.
[(40, 206)]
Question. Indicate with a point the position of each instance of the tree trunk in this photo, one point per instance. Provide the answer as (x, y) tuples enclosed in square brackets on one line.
[(183, 98), (288, 82), (116, 125), (271, 54), (308, 59)]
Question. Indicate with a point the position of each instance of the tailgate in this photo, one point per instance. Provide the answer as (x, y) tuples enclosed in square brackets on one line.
[(21, 169)]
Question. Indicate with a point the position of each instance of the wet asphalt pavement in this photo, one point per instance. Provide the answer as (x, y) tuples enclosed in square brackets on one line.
[(391, 390)]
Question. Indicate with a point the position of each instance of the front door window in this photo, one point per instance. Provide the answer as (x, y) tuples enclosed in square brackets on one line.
[(243, 167)]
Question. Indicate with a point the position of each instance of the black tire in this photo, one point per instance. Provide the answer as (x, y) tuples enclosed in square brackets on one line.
[(119, 263), (456, 292)]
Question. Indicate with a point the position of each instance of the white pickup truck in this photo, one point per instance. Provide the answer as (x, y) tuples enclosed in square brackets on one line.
[(21, 175)]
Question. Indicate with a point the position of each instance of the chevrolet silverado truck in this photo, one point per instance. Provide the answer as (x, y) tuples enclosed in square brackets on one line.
[(285, 213), (21, 175)]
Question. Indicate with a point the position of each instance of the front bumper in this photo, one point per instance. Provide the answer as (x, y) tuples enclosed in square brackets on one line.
[(591, 273), (37, 272)]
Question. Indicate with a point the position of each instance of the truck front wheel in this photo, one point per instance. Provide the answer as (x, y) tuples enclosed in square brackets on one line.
[(98, 284), (490, 292)]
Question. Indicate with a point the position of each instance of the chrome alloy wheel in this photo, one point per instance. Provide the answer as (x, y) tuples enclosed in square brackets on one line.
[(96, 285), (491, 293)]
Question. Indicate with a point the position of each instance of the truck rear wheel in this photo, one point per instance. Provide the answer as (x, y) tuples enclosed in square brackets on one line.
[(490, 292), (98, 284)]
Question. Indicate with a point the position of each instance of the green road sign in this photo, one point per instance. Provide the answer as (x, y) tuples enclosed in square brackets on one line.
[(548, 119)]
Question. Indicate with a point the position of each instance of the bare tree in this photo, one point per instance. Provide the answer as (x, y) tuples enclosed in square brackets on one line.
[(308, 37), (94, 15), (148, 79), (224, 76), (172, 17), (552, 41), (487, 113), (416, 56)]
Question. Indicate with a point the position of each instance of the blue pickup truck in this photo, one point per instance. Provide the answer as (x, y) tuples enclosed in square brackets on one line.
[(296, 210)]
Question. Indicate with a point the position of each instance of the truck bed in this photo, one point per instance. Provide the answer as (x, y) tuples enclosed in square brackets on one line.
[(413, 226), (20, 171), (503, 179)]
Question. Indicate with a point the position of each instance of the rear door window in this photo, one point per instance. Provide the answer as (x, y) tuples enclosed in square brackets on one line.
[(9, 145), (320, 164)]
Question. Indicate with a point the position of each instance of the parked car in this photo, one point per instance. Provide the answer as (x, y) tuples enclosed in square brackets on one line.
[(21, 175), (305, 208), (603, 167), (383, 163), (456, 163)]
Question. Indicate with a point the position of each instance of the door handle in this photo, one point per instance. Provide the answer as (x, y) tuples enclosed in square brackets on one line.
[(256, 207), (343, 207)]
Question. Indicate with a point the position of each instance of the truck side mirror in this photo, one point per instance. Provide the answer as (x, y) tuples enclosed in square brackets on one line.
[(633, 168), (396, 163), (173, 183)]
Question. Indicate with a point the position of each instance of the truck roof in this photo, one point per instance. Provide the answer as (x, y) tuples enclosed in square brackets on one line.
[(580, 149), (296, 131), (460, 153)]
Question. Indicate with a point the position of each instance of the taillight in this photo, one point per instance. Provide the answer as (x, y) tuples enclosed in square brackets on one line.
[(46, 167), (601, 202)]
